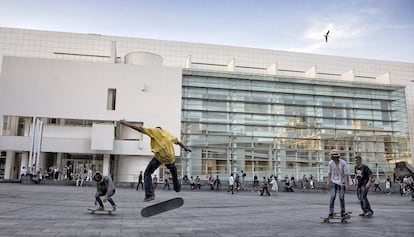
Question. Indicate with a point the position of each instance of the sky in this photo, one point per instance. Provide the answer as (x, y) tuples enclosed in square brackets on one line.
[(373, 29)]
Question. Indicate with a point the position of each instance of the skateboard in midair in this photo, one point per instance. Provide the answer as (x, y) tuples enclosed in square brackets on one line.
[(337, 216), (161, 207), (95, 211)]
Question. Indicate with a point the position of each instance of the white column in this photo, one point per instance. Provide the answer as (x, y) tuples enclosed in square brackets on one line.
[(59, 164), (106, 165), (10, 163)]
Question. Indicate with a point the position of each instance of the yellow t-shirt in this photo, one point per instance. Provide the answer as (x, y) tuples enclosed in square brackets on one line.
[(162, 144)]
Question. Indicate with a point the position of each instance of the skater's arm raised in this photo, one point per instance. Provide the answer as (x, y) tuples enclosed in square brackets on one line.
[(138, 128), (183, 146)]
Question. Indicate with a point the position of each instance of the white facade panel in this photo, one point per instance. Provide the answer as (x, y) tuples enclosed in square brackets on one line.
[(102, 137), (78, 90)]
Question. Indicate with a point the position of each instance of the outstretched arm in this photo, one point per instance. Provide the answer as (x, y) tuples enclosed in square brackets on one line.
[(138, 128), (183, 146)]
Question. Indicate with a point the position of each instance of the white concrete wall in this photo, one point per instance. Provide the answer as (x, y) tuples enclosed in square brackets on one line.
[(78, 90), (130, 166)]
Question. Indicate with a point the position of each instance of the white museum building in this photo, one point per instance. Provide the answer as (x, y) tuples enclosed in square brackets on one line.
[(258, 110)]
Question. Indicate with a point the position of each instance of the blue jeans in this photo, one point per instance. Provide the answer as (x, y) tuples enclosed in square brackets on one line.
[(334, 189), (99, 194), (362, 193), (151, 167)]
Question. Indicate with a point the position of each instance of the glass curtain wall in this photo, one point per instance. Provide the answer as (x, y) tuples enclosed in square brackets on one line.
[(267, 125)]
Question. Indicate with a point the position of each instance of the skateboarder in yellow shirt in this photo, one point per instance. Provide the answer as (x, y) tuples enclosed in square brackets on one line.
[(162, 147)]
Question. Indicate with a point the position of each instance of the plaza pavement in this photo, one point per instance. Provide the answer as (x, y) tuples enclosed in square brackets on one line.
[(52, 210)]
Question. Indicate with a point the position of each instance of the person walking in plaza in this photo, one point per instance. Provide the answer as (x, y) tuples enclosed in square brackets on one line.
[(388, 185), (243, 179), (275, 187), (106, 188), (265, 188), (363, 178), (166, 181), (377, 185), (140, 181), (338, 181), (155, 181), (231, 184), (89, 175), (162, 147), (217, 183), (255, 182), (79, 179), (198, 183)]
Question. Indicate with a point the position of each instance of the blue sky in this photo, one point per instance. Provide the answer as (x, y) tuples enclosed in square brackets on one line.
[(375, 29)]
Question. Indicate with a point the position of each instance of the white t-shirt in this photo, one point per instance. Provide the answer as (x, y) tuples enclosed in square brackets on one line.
[(338, 172), (231, 180)]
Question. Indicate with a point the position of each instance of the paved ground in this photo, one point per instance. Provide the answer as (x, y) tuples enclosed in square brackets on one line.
[(48, 210)]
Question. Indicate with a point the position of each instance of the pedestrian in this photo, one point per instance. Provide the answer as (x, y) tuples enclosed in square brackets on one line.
[(162, 147), (140, 181), (231, 184), (192, 183), (338, 181), (155, 181), (198, 183), (89, 175), (264, 189), (243, 178), (237, 182), (23, 172), (211, 182), (106, 188), (255, 181), (388, 185), (288, 185), (311, 183), (217, 183), (275, 187), (377, 185), (304, 182), (166, 181), (363, 177), (79, 179)]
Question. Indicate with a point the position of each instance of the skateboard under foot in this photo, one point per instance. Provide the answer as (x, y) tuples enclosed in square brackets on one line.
[(95, 211), (337, 216)]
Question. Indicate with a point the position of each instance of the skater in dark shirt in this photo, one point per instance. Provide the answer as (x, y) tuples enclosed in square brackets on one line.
[(363, 177)]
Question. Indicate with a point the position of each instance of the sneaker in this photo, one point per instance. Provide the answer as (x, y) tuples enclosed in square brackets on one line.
[(147, 199), (370, 213), (345, 215), (331, 215), (100, 209), (362, 214), (114, 208)]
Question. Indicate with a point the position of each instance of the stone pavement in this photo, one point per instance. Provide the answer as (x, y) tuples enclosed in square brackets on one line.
[(50, 210)]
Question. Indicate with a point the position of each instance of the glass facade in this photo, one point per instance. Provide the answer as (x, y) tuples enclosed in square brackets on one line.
[(286, 126)]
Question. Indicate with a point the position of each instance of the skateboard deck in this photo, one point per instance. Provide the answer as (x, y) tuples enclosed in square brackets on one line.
[(94, 211), (337, 216), (161, 207)]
